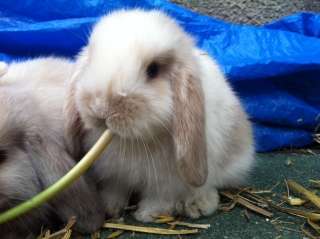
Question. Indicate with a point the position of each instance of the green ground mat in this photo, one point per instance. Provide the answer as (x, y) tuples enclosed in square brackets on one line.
[(270, 169)]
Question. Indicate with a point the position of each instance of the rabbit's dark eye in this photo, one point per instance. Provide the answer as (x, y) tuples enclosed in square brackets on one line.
[(153, 70)]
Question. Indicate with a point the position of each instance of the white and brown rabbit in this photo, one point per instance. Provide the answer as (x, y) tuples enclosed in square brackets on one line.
[(180, 132), (32, 149)]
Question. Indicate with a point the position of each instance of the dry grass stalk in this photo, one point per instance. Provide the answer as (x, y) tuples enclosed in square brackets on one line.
[(64, 233), (314, 225), (246, 203), (164, 219), (67, 235), (191, 225), (294, 201), (274, 186), (299, 213), (316, 183), (57, 234), (308, 233), (312, 197), (172, 226), (311, 152), (252, 201), (70, 223), (115, 234), (287, 187), (260, 191), (277, 221), (263, 201), (151, 230), (255, 199), (227, 207), (41, 235), (47, 235)]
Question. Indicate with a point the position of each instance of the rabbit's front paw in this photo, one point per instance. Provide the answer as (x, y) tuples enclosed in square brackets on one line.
[(114, 208), (201, 203), (149, 210), (114, 198)]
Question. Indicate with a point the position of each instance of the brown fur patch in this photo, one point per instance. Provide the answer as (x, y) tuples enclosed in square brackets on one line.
[(123, 110), (189, 127)]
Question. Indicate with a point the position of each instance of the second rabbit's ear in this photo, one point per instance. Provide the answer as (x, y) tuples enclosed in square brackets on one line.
[(74, 128)]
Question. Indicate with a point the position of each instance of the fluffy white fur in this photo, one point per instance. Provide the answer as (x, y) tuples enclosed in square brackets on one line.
[(142, 155), (110, 89)]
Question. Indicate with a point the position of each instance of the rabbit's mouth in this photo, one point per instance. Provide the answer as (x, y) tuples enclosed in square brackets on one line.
[(97, 123), (123, 127)]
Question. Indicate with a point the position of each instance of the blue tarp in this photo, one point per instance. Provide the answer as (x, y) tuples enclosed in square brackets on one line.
[(274, 68)]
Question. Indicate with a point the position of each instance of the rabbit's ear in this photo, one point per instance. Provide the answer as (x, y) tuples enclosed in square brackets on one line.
[(74, 131), (74, 128), (189, 126)]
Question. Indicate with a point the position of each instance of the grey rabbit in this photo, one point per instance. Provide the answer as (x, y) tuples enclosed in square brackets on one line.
[(32, 149)]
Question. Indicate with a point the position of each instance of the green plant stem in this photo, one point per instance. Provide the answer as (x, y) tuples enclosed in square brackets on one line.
[(78, 170)]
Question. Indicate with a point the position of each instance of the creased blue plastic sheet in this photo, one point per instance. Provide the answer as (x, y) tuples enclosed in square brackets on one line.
[(274, 68)]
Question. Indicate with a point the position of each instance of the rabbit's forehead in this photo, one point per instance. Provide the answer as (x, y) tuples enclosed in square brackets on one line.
[(135, 24), (127, 57), (137, 49), (113, 74), (135, 34)]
